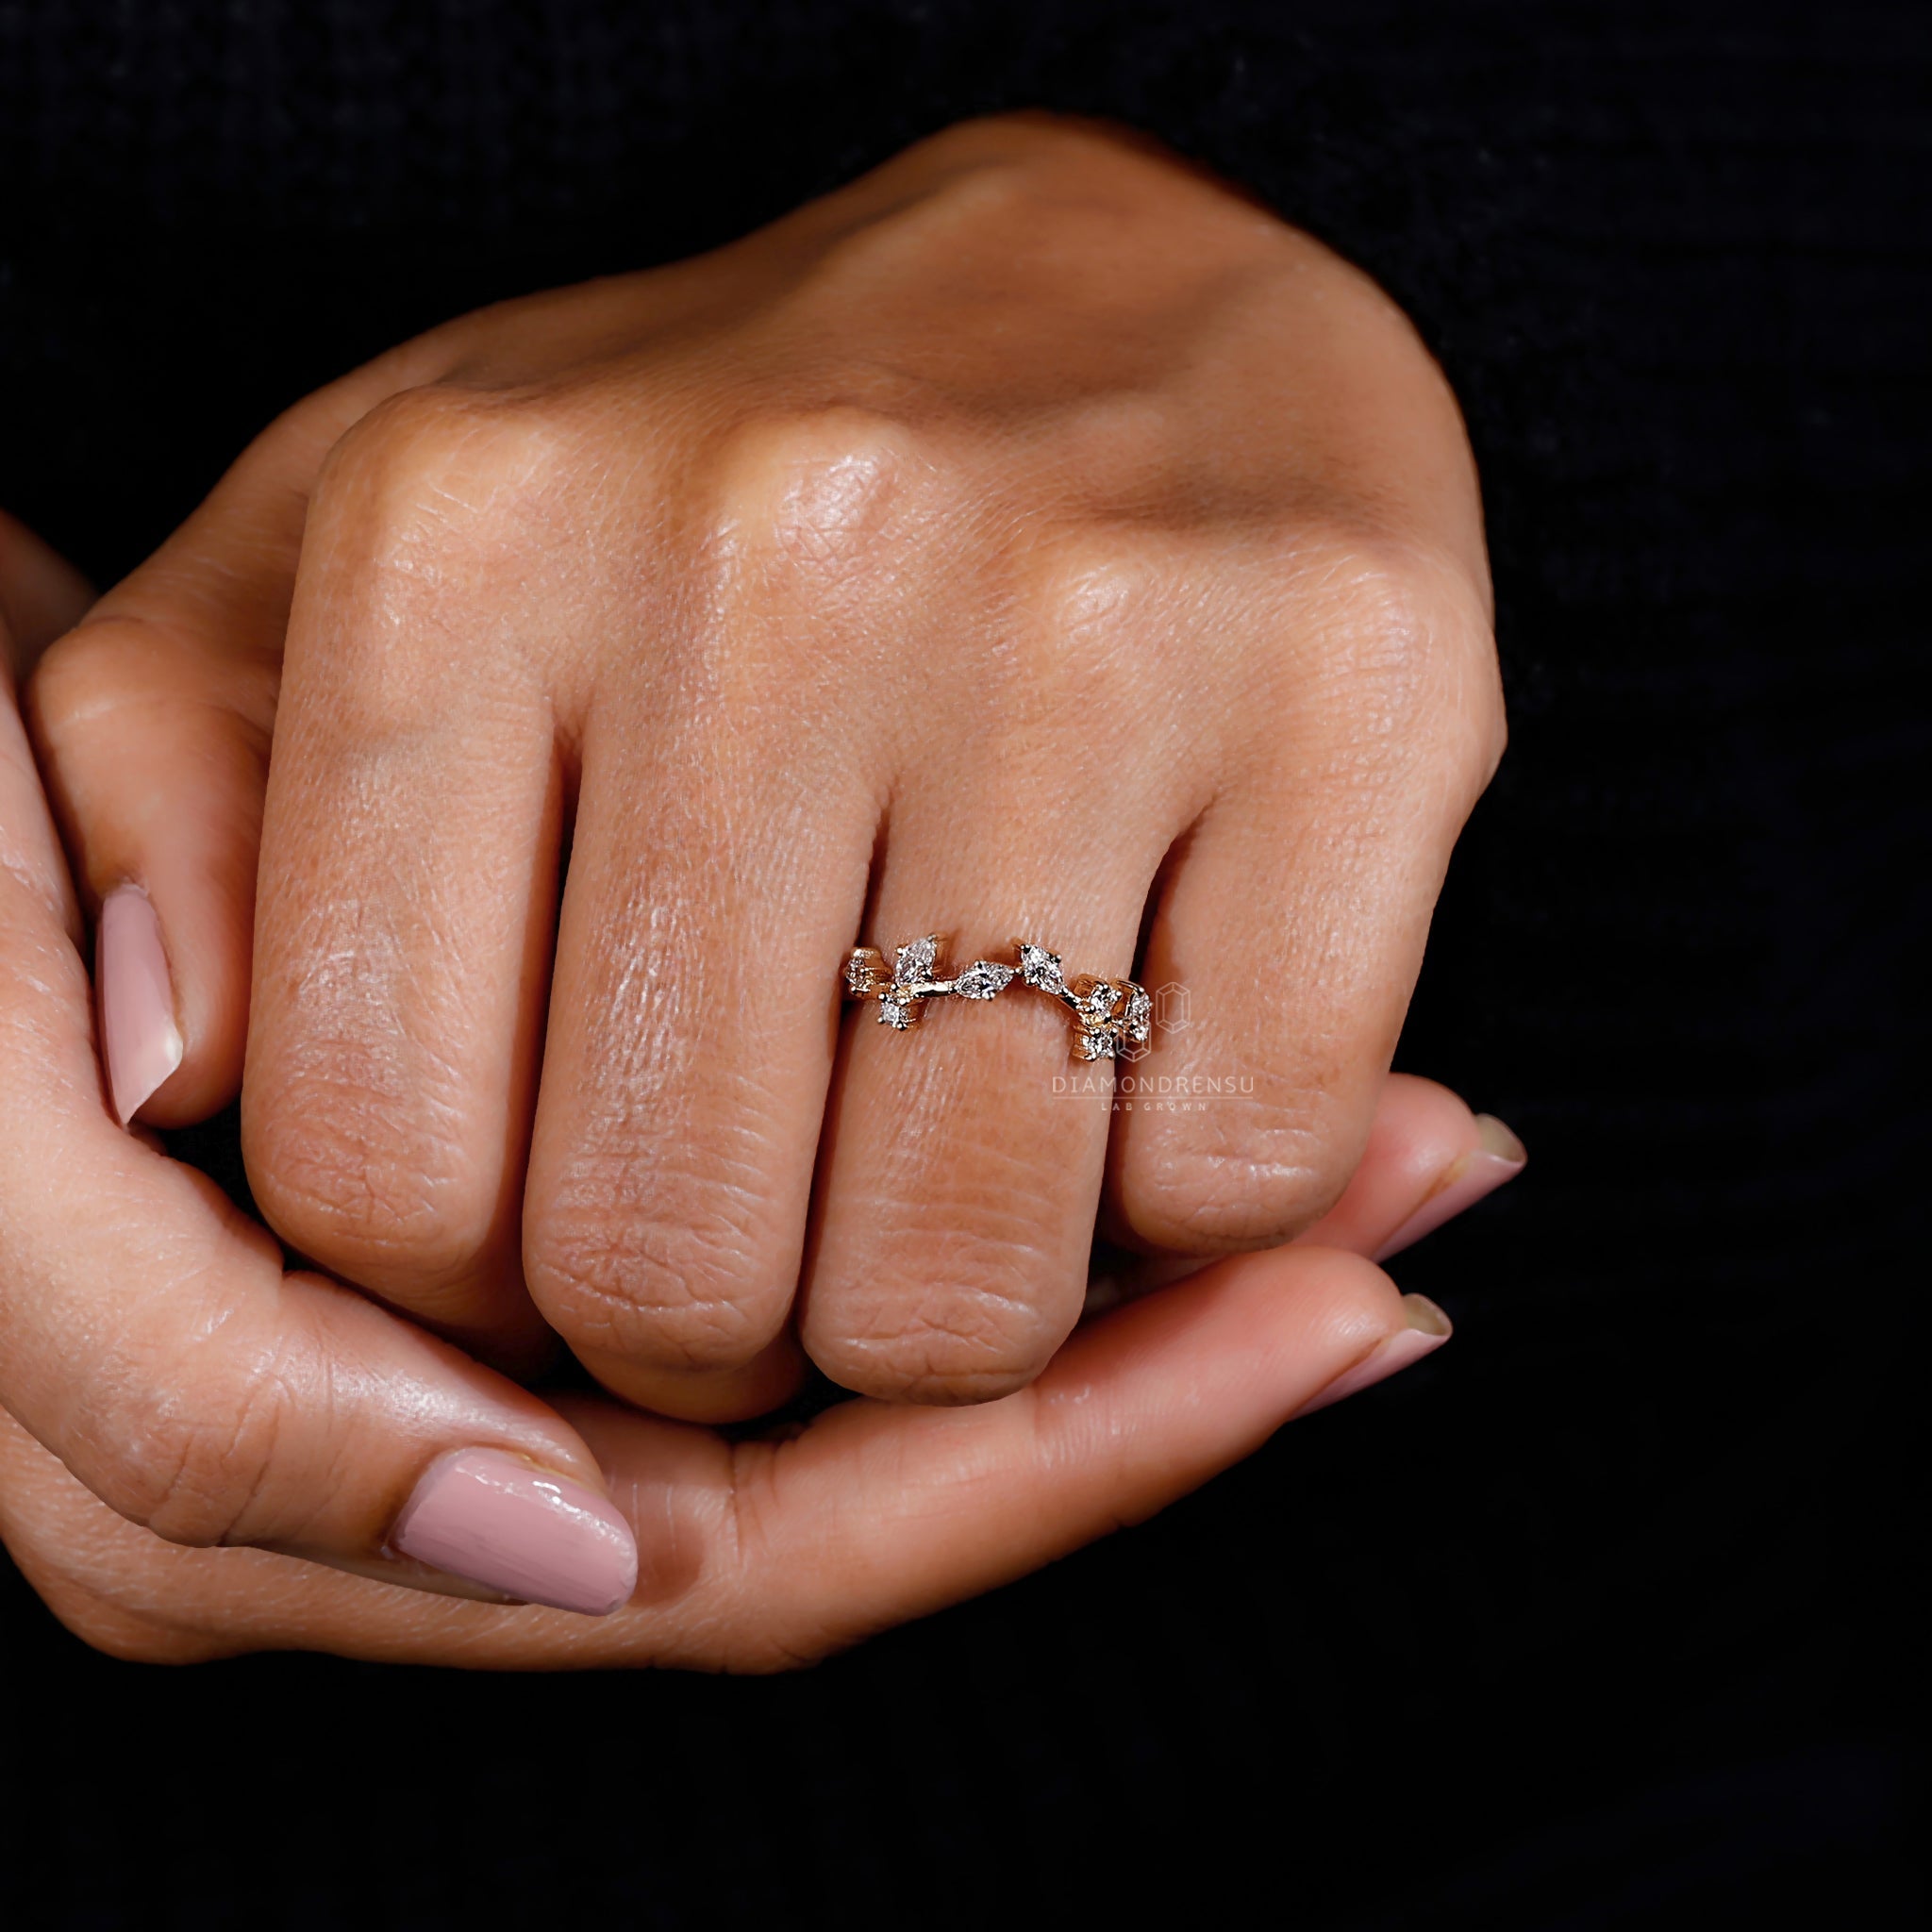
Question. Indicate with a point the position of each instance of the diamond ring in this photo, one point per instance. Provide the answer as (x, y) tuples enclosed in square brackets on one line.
[(1111, 1017)]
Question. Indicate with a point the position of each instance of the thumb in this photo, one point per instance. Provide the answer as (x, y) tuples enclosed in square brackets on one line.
[(152, 720)]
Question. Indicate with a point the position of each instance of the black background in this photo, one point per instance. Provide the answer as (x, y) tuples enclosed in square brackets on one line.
[(1584, 1623)]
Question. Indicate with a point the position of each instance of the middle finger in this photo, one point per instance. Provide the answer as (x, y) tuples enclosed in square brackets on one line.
[(715, 876)]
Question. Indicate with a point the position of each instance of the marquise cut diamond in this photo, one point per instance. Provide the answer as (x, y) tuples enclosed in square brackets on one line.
[(983, 980), (916, 960), (1113, 1018)]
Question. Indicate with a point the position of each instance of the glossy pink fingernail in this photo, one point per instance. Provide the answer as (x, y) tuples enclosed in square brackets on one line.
[(1500, 1158), (494, 1519), (138, 1036), (1428, 1330)]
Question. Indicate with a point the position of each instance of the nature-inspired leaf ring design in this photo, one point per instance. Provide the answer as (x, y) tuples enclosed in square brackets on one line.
[(1113, 1018)]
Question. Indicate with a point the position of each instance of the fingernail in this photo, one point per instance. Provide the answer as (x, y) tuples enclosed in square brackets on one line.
[(1428, 1330), (1499, 1157), (489, 1517), (138, 1036)]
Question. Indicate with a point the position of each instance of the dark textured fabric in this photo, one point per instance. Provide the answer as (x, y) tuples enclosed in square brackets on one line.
[(1580, 1624)]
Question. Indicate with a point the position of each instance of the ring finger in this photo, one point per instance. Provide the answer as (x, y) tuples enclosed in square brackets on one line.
[(963, 1158)]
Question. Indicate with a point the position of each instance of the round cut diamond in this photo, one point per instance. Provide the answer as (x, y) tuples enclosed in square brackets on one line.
[(1038, 967), (1095, 1005)]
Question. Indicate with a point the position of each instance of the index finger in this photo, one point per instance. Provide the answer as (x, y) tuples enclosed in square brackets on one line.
[(149, 1338), (764, 1554)]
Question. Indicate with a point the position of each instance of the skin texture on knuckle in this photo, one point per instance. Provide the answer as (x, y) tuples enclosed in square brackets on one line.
[(89, 671), (1102, 648), (439, 522), (1092, 597), (1253, 1175), (1423, 616), (443, 460), (367, 1139), (333, 1177), (817, 543), (1212, 1201), (138, 669), (1385, 681), (812, 488), (970, 1326), (656, 1287)]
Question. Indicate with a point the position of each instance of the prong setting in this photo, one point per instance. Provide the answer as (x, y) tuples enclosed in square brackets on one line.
[(1111, 1017)]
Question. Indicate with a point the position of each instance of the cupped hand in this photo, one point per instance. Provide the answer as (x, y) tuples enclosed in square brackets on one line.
[(1034, 537), (171, 1394), (202, 1454)]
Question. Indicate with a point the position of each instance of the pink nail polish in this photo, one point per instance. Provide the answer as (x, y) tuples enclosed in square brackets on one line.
[(488, 1516), (1428, 1330), (138, 1036), (1500, 1158)]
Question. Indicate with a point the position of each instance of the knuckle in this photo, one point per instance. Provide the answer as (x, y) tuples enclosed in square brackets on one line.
[(1225, 1200), (147, 657), (435, 517), (436, 484), (686, 1290), (956, 1282), (814, 494), (339, 1187), (77, 671), (441, 466), (1370, 598), (1066, 633), (1395, 653), (946, 1358), (1481, 750), (105, 663), (1090, 596), (975, 1341)]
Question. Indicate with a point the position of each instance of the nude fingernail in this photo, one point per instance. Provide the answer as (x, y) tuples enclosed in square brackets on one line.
[(1428, 1329), (1500, 1158), (138, 1036), (488, 1516)]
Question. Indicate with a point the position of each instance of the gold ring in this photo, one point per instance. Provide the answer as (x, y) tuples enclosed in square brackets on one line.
[(1111, 1017)]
